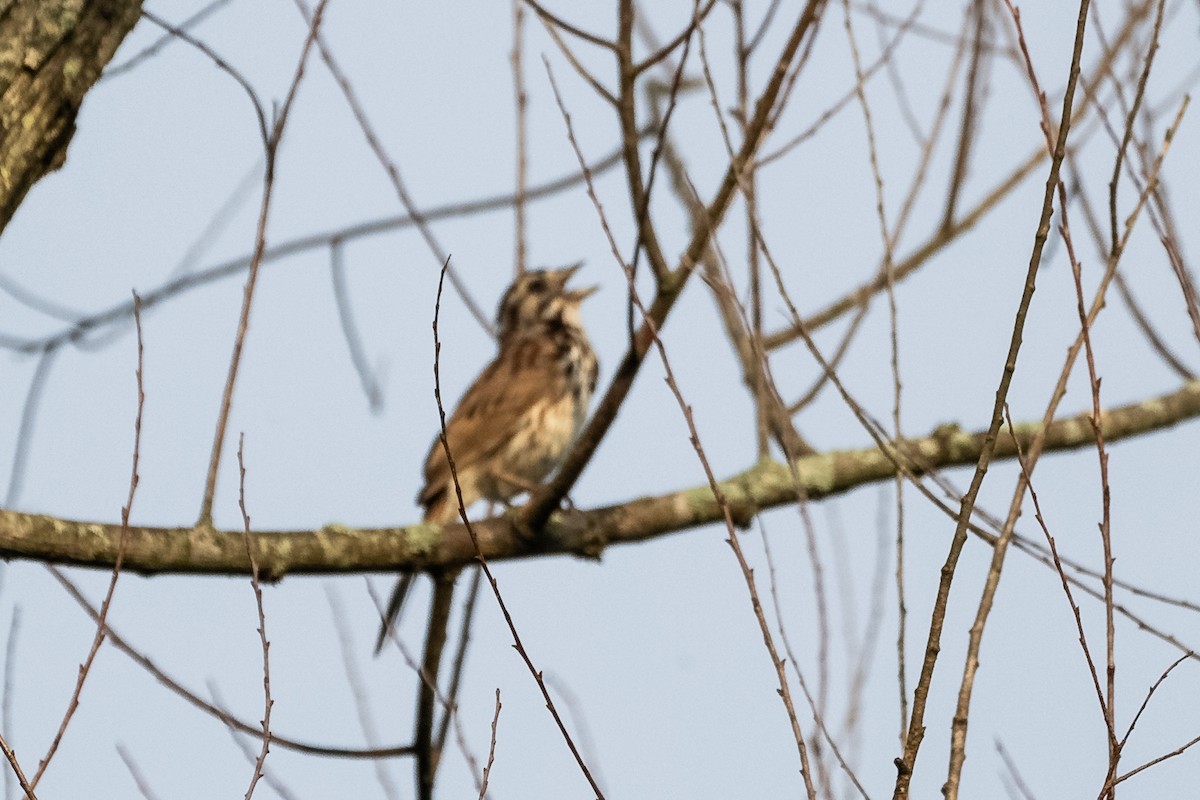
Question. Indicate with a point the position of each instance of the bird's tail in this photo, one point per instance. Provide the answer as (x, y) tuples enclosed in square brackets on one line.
[(440, 511), (392, 615)]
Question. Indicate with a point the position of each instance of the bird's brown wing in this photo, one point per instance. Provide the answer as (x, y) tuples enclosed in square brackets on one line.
[(491, 411)]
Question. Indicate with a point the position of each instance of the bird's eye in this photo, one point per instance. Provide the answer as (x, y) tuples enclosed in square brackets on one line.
[(537, 285)]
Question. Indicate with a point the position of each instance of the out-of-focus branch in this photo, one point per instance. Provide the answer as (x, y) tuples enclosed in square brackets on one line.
[(945, 235), (124, 311)]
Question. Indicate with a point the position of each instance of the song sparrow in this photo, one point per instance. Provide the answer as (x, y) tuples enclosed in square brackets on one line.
[(509, 431)]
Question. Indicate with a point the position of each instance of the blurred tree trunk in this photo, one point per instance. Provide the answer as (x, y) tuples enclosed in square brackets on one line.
[(51, 54)]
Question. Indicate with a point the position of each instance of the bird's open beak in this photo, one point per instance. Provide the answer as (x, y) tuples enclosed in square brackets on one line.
[(577, 295)]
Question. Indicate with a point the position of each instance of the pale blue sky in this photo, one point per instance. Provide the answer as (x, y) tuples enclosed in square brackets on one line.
[(673, 692)]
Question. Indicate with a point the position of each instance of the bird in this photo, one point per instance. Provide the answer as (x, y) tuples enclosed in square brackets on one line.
[(510, 430)]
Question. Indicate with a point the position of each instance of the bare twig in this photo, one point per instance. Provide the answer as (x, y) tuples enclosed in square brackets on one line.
[(699, 14), (16, 768), (221, 64), (198, 702), (733, 540), (271, 141), (1154, 761), (574, 30), (389, 165), (483, 564), (268, 703), (81, 326), (437, 698), (248, 752), (916, 727), (1058, 566), (943, 237), (491, 759), (970, 113), (450, 701), (1150, 694), (888, 239), (817, 715), (161, 42), (544, 501), (101, 624)]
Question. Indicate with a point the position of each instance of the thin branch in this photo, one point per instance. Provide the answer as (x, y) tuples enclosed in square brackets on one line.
[(221, 64), (943, 237), (479, 554), (268, 703), (198, 702), (101, 625), (1155, 761), (916, 727), (682, 38), (389, 165), (970, 113), (16, 768), (546, 500), (247, 750), (1014, 774), (575, 31), (1150, 694), (76, 332), (161, 42), (818, 717), (271, 143), (491, 759), (450, 701), (1027, 484)]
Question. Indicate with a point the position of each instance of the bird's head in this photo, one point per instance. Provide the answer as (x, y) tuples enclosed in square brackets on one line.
[(540, 298)]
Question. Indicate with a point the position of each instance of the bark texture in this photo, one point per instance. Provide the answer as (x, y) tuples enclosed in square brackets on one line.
[(51, 53)]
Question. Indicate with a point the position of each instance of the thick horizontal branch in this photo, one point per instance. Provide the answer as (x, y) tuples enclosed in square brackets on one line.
[(341, 549)]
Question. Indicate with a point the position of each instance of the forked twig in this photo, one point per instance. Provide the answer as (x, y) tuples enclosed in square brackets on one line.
[(271, 141)]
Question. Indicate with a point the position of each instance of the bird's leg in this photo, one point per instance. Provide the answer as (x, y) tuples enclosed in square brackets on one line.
[(523, 484), (435, 641), (526, 486)]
